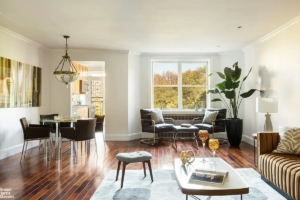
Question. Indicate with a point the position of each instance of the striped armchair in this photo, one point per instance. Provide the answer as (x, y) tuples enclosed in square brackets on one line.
[(283, 170)]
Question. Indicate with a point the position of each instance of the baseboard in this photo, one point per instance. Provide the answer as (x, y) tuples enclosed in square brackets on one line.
[(4, 153), (248, 139), (122, 137)]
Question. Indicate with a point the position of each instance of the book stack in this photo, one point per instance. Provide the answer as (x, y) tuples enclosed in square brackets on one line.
[(208, 177), (186, 125)]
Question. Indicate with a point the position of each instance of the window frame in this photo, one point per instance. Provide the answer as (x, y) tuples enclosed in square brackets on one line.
[(179, 84)]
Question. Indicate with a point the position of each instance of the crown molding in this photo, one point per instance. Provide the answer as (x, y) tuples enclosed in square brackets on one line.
[(274, 33), (22, 38)]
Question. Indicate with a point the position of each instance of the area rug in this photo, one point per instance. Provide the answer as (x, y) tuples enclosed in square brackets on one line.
[(136, 187)]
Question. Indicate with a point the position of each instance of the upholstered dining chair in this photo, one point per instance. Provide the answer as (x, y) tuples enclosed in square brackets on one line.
[(84, 130), (35, 132), (152, 121)]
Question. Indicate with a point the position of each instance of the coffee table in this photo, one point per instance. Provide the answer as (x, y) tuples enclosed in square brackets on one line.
[(233, 185)]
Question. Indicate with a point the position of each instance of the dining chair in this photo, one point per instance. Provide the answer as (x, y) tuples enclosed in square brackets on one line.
[(35, 132), (84, 130)]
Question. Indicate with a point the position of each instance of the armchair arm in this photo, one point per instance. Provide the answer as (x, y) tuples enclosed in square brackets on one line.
[(266, 142), (171, 119), (68, 132), (37, 132), (197, 119), (219, 120)]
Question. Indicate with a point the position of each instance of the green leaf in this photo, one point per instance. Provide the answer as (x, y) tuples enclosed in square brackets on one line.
[(237, 74), (228, 73), (247, 74), (248, 94), (221, 86), (235, 84), (210, 74), (222, 76), (230, 94), (215, 100), (228, 84)]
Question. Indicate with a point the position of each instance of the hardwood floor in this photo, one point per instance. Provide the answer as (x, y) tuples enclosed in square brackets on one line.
[(37, 178)]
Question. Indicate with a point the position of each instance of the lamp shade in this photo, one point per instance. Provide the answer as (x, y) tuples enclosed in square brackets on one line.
[(267, 105)]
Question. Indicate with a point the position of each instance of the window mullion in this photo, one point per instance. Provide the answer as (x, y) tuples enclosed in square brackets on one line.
[(179, 86)]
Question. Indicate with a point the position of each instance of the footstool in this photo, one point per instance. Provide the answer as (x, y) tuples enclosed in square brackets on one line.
[(182, 129), (132, 157)]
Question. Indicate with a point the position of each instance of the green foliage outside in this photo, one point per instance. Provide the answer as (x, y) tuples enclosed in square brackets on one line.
[(193, 90)]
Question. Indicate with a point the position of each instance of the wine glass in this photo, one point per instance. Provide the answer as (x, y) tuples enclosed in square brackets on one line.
[(203, 135), (213, 145)]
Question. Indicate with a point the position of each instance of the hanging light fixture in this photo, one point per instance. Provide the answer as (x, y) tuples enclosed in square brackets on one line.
[(66, 76)]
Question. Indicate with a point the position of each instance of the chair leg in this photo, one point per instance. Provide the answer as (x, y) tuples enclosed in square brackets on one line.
[(150, 169), (195, 140), (50, 149), (119, 163), (22, 151), (25, 148), (144, 169), (75, 150), (123, 174), (174, 145), (96, 147)]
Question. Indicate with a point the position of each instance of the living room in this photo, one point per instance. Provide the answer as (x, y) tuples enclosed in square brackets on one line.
[(268, 41)]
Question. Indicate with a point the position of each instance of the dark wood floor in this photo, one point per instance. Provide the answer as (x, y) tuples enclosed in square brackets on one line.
[(37, 178)]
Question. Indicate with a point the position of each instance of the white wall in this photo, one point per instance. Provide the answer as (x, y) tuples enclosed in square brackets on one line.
[(134, 105), (116, 89), (16, 47), (276, 67)]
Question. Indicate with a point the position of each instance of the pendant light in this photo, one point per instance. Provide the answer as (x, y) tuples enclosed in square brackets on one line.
[(69, 75)]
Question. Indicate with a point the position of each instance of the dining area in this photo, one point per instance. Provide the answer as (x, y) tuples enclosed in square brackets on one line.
[(54, 129)]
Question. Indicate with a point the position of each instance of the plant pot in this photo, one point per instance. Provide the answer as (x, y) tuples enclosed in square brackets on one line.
[(234, 129)]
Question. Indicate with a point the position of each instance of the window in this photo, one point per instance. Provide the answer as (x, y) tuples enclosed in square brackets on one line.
[(179, 85)]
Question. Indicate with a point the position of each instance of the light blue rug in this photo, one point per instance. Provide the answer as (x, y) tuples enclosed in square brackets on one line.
[(136, 187)]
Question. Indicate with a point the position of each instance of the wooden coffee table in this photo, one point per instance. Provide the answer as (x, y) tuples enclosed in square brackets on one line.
[(233, 185)]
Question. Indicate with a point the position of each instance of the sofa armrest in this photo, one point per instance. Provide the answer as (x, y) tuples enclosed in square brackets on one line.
[(266, 142)]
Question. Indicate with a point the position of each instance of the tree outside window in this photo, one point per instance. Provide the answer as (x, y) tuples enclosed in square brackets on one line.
[(179, 85)]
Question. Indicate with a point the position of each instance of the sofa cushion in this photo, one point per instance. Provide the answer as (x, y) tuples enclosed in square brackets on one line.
[(209, 117), (289, 140), (157, 116)]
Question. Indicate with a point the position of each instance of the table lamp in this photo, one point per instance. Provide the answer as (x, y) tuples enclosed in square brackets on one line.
[(267, 105)]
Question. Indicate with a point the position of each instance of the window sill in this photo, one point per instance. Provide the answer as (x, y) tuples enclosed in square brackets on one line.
[(183, 112)]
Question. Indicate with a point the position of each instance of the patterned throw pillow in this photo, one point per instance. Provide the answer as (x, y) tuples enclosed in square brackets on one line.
[(209, 116), (157, 116), (289, 140)]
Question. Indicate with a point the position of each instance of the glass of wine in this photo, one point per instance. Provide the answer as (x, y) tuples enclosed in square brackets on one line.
[(213, 145), (203, 135)]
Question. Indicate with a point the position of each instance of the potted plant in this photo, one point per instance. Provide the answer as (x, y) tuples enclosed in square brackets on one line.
[(230, 88)]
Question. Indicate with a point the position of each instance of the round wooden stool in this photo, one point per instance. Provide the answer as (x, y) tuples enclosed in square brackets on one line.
[(132, 157)]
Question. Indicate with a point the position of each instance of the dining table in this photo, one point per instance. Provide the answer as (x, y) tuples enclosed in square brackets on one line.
[(57, 133)]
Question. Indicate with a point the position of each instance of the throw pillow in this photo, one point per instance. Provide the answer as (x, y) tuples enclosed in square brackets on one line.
[(157, 116), (289, 140), (209, 116)]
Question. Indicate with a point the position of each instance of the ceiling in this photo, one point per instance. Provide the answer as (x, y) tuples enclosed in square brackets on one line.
[(148, 26)]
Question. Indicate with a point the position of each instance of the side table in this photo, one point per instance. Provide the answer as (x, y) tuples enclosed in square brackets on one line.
[(254, 136)]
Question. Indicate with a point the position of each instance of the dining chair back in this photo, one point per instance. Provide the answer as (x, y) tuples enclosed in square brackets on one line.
[(83, 131), (34, 132)]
